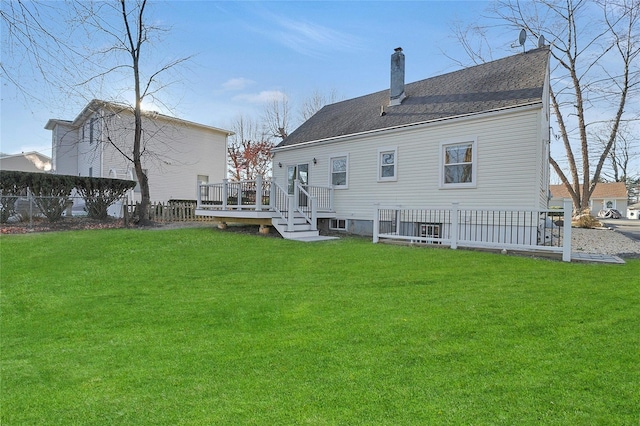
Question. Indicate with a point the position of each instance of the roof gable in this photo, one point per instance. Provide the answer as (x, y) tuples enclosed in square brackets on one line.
[(513, 81), (96, 105)]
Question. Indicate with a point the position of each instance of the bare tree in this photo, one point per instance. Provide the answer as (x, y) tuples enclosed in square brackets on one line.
[(116, 53), (315, 102), (595, 47), (474, 41), (129, 39), (249, 150), (33, 51), (624, 151), (250, 147), (276, 117)]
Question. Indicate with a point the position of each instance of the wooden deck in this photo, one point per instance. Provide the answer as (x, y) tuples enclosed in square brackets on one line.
[(266, 203)]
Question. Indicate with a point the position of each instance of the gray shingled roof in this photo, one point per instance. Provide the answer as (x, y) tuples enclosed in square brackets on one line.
[(508, 82)]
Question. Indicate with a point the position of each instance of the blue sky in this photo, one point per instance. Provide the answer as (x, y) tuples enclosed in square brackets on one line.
[(245, 52)]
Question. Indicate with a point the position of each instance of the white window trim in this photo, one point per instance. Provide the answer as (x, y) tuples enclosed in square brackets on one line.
[(474, 163), (337, 228), (331, 158), (393, 178)]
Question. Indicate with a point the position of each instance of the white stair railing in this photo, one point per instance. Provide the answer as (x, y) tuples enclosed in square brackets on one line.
[(287, 205), (280, 200), (310, 211)]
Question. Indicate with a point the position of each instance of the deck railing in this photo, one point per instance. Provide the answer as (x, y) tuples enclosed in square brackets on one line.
[(246, 194), (323, 196), (280, 200), (261, 194), (541, 230)]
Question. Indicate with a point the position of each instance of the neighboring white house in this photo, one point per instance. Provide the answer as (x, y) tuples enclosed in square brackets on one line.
[(605, 196), (26, 162), (177, 154), (478, 136)]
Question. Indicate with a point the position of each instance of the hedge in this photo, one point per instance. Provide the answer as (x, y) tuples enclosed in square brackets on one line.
[(100, 193), (52, 192)]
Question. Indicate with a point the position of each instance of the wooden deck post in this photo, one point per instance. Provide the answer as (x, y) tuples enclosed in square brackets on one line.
[(294, 200), (314, 213), (259, 193), (198, 194), (225, 193)]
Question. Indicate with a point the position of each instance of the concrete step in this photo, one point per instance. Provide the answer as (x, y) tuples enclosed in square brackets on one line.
[(314, 239), (299, 235)]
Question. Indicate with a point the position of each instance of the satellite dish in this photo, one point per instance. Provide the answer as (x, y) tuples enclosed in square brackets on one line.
[(522, 37), (541, 41)]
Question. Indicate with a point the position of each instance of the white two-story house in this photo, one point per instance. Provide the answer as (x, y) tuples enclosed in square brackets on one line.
[(177, 154)]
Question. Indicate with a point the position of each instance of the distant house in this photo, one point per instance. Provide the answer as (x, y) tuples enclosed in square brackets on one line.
[(478, 137), (26, 162), (605, 196), (178, 154)]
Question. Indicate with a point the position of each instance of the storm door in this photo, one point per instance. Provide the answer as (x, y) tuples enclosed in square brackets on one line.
[(300, 172)]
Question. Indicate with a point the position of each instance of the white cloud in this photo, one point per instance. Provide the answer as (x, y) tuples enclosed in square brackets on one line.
[(239, 83), (306, 37), (263, 97)]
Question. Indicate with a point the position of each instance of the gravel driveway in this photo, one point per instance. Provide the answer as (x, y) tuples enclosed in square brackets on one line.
[(604, 241)]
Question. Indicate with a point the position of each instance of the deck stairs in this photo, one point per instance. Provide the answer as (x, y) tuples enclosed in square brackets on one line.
[(267, 203), (300, 231)]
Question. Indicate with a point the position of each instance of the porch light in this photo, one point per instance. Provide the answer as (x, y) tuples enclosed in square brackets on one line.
[(280, 165), (315, 161)]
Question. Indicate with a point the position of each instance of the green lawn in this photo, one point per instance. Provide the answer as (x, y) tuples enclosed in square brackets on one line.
[(205, 327)]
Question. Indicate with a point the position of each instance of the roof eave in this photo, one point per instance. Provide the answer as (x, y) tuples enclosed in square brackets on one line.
[(524, 106), (96, 104)]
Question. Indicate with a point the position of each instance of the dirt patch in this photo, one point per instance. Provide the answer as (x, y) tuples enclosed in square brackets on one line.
[(81, 223), (65, 224)]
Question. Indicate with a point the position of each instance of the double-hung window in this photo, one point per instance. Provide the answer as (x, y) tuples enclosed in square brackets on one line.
[(339, 171), (387, 164), (92, 125), (458, 164)]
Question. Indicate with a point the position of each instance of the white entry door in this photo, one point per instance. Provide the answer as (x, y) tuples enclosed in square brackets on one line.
[(300, 172)]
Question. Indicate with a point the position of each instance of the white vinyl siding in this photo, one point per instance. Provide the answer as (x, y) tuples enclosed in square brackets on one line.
[(508, 163), (544, 147), (89, 150), (64, 158), (177, 154)]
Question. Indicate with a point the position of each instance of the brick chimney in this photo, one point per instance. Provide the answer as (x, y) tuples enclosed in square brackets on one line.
[(397, 78)]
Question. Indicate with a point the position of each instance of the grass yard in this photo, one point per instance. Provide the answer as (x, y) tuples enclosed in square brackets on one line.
[(205, 327)]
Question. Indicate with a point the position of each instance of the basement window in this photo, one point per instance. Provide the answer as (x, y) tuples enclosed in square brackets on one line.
[(338, 224)]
